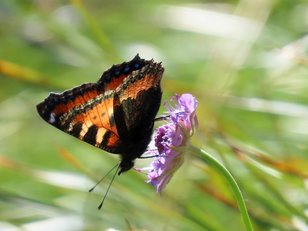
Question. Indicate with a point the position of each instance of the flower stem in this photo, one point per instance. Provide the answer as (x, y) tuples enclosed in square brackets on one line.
[(235, 188)]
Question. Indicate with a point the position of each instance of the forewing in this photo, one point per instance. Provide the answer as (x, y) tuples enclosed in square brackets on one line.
[(85, 112), (137, 101)]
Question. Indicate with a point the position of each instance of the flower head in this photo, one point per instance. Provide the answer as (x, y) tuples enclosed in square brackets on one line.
[(172, 139)]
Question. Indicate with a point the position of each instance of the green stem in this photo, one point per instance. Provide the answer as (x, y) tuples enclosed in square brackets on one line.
[(235, 188)]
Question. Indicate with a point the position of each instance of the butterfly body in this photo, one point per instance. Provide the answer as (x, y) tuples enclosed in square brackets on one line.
[(115, 114)]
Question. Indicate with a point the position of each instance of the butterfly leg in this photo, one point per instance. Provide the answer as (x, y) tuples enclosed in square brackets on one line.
[(162, 117), (148, 157), (150, 154)]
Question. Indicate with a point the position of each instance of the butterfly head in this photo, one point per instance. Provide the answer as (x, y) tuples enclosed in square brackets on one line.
[(125, 166)]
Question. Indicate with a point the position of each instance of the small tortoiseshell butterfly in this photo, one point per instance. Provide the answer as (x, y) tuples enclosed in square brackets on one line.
[(115, 114)]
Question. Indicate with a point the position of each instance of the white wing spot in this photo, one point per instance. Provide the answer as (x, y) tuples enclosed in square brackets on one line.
[(84, 130), (52, 118)]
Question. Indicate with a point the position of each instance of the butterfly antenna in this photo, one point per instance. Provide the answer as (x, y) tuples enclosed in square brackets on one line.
[(102, 203), (91, 189)]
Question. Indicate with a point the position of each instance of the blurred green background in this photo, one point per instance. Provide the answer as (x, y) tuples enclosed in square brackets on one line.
[(245, 61)]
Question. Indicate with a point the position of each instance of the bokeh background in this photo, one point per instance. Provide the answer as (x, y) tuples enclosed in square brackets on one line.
[(245, 61)]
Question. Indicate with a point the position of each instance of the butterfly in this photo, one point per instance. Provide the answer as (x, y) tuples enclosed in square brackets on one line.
[(115, 114)]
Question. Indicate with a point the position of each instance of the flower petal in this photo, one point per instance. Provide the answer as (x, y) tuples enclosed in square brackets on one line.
[(183, 121)]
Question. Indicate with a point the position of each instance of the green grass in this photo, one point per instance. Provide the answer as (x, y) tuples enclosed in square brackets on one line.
[(251, 83)]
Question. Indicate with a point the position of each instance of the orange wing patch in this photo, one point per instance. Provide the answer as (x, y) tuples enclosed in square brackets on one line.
[(115, 83), (75, 100), (100, 116), (139, 85)]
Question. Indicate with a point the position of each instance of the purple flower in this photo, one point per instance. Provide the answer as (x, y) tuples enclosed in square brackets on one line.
[(172, 139)]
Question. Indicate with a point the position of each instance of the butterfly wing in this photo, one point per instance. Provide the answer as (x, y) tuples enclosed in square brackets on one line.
[(136, 103), (84, 112), (88, 111)]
